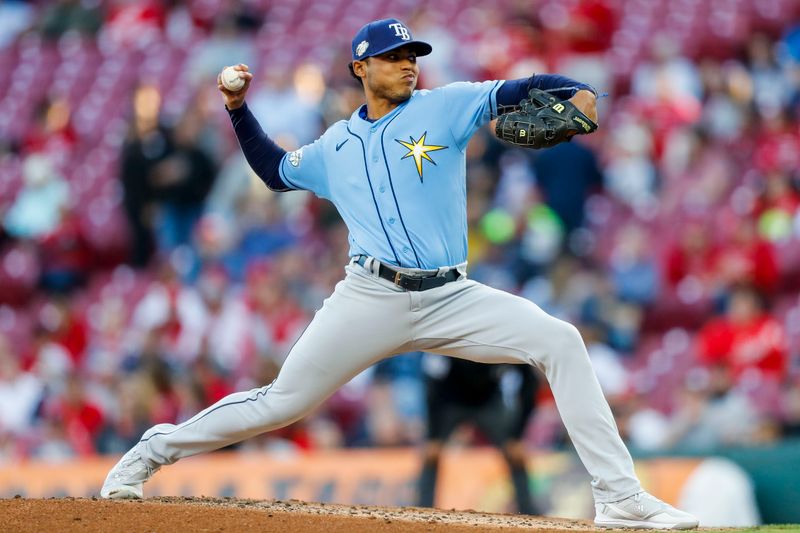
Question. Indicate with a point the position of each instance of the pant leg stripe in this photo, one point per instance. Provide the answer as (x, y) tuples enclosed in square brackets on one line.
[(190, 422)]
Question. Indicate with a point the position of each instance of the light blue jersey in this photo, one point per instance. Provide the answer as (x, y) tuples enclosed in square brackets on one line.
[(399, 183)]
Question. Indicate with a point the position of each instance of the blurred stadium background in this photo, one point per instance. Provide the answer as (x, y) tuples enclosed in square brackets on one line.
[(146, 273)]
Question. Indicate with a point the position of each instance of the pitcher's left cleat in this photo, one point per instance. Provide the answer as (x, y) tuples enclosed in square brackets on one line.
[(642, 511), (125, 480)]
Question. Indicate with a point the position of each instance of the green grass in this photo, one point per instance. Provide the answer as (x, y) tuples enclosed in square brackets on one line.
[(770, 528)]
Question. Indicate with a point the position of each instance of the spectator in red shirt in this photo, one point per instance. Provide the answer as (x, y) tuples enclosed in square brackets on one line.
[(82, 419), (65, 255), (52, 132), (276, 317), (742, 257), (690, 256), (68, 327), (746, 258), (779, 192), (135, 23), (207, 381), (746, 339), (59, 341), (591, 27)]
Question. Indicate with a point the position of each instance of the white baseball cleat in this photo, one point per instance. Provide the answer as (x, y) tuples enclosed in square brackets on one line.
[(642, 511), (125, 480)]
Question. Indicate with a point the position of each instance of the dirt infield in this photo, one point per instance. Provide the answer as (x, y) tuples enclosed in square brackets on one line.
[(234, 515)]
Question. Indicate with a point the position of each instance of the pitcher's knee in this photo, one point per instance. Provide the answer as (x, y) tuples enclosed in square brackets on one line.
[(564, 342)]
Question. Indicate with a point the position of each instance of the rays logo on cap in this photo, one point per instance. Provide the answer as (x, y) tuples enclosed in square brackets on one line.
[(361, 48), (400, 31)]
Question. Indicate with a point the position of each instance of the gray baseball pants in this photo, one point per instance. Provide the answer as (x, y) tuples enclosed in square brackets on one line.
[(367, 319)]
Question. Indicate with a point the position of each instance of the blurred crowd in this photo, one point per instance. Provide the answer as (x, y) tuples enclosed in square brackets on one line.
[(145, 272)]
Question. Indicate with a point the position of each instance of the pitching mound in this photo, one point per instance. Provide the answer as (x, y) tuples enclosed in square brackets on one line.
[(234, 515)]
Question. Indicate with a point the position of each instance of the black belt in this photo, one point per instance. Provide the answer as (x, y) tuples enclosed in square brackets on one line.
[(411, 282)]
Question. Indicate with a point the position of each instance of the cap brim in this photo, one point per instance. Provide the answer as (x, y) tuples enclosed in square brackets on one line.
[(420, 47)]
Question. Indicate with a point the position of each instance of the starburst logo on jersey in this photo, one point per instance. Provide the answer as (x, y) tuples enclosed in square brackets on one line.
[(419, 151)]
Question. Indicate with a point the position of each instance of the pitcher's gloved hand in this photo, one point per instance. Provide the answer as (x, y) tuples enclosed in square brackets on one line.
[(542, 121)]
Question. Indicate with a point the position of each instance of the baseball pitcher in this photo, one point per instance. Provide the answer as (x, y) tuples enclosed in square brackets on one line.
[(396, 173)]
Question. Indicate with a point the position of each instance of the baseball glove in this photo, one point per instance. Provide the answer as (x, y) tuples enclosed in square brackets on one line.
[(542, 121)]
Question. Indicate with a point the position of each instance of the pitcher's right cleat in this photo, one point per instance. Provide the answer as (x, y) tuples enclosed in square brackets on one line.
[(125, 480), (642, 511)]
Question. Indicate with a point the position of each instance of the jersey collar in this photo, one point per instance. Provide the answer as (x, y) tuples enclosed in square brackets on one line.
[(359, 120)]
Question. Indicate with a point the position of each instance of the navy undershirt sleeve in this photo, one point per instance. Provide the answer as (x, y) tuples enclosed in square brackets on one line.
[(512, 91), (261, 152)]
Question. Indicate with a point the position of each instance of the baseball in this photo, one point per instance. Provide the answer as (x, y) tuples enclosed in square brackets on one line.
[(231, 79)]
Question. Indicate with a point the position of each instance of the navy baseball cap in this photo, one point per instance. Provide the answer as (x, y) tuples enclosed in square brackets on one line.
[(380, 36)]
